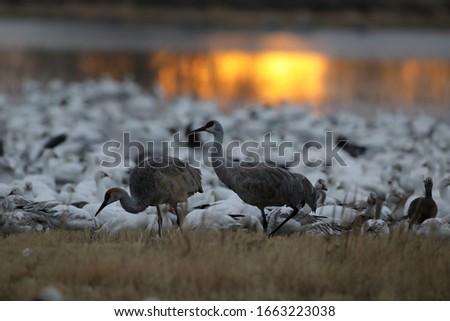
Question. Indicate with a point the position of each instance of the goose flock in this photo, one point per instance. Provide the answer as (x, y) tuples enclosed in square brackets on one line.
[(57, 171)]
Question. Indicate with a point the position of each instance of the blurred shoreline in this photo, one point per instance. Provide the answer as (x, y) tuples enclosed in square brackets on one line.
[(346, 57), (212, 17)]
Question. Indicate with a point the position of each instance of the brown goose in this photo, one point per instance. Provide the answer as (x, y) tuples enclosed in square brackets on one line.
[(423, 208)]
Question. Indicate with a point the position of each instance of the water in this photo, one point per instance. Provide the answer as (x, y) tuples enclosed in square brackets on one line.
[(329, 69)]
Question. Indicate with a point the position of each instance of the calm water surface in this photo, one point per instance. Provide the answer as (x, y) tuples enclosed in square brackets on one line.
[(329, 69)]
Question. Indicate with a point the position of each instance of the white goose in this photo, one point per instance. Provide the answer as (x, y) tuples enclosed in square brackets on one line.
[(67, 170), (322, 197), (93, 190), (375, 225), (373, 202), (14, 219), (114, 219), (443, 198), (341, 215), (60, 215), (127, 221), (303, 223), (209, 219), (434, 227)]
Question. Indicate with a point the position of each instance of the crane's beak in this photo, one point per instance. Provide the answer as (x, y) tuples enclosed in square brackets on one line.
[(324, 188), (201, 129), (101, 207)]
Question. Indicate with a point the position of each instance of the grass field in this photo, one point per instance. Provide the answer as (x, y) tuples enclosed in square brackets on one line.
[(224, 266)]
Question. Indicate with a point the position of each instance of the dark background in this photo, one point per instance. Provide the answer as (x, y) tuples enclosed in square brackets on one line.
[(390, 13)]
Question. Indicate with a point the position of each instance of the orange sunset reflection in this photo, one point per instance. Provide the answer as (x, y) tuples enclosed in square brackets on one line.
[(237, 78), (267, 77)]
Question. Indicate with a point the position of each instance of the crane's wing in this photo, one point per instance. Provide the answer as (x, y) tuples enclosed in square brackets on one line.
[(164, 180), (190, 177), (259, 184), (306, 189)]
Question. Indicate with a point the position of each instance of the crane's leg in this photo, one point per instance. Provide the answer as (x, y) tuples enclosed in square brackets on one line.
[(178, 216), (159, 220), (294, 212), (188, 243), (264, 219)]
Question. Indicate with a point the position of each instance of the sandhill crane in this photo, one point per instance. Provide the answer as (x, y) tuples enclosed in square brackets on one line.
[(423, 208), (257, 183), (161, 180)]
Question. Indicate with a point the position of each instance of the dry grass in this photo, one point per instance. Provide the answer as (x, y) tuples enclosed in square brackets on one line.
[(224, 266)]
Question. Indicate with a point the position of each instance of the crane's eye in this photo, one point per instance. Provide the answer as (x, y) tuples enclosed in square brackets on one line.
[(209, 124)]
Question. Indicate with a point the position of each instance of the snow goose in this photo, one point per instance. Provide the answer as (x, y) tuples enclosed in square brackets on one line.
[(375, 225)]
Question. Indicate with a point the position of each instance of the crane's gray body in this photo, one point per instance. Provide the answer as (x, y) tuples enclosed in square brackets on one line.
[(261, 185), (164, 180)]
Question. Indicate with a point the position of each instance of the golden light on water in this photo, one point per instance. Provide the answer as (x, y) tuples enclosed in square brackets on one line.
[(236, 78), (267, 77), (291, 76)]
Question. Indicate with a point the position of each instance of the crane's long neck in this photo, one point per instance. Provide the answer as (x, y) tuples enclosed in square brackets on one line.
[(217, 150), (131, 204), (218, 161)]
